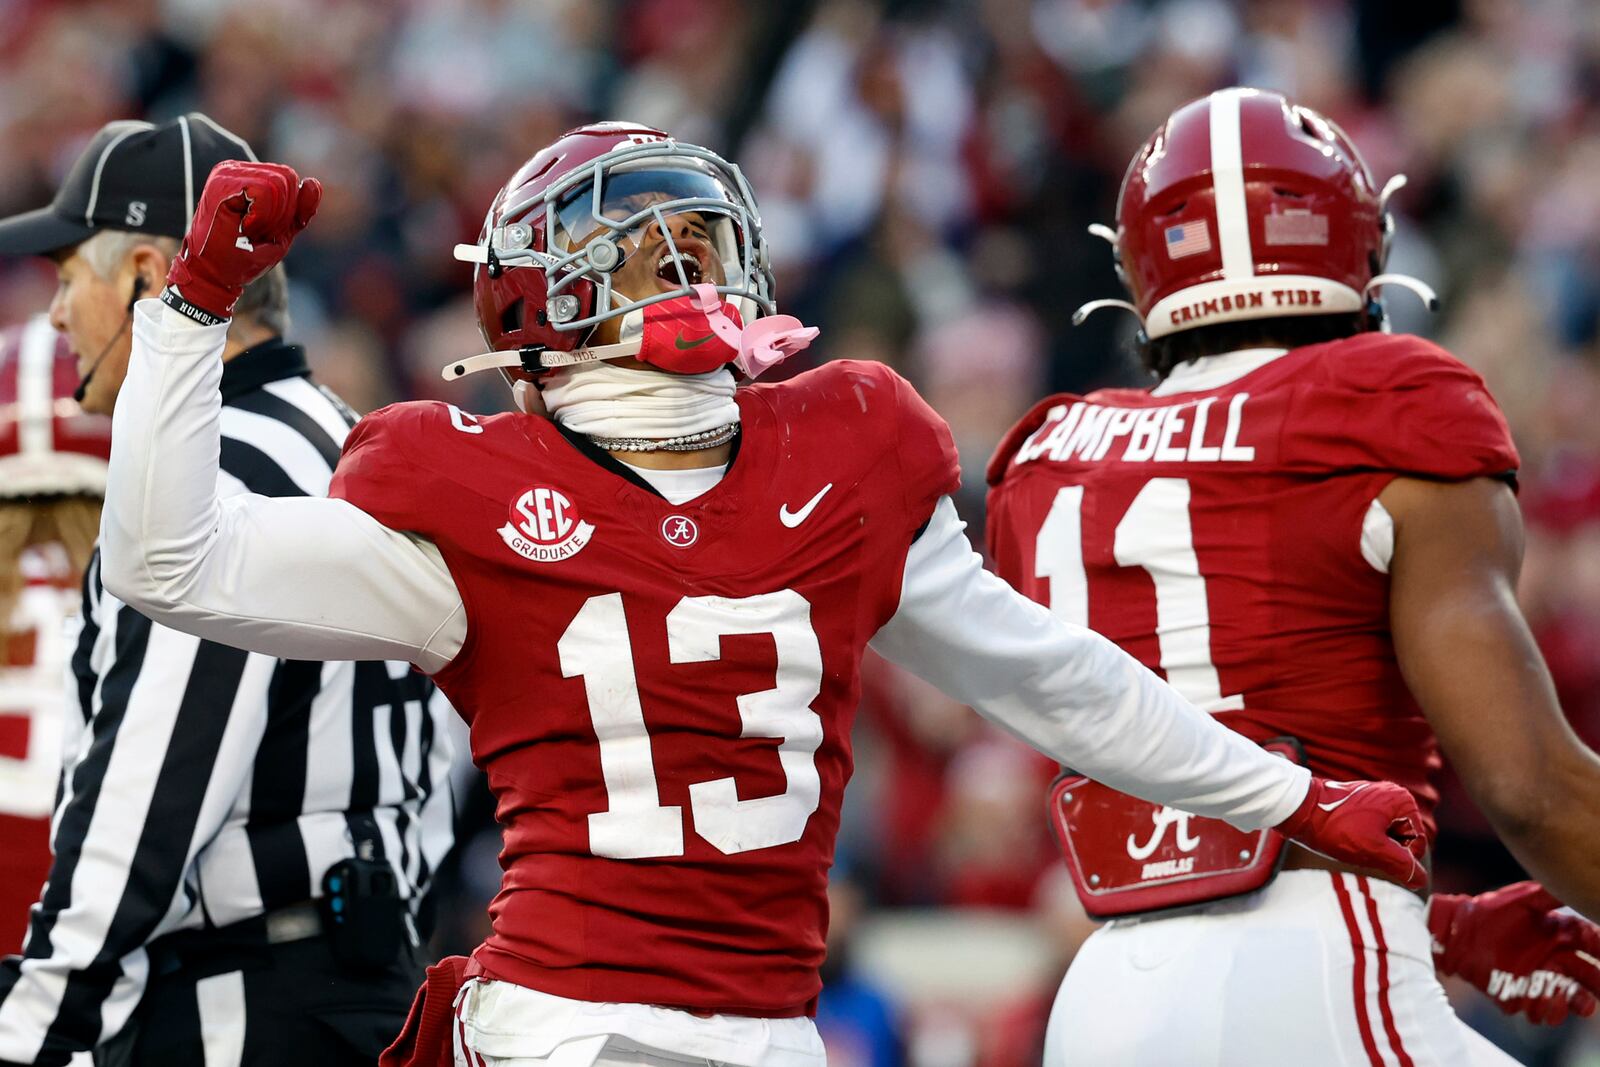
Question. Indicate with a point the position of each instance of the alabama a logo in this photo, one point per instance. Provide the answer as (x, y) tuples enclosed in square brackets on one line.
[(544, 526), (679, 531), (1161, 820)]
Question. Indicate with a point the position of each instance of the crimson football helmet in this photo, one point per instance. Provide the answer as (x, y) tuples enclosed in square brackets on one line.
[(570, 217), (1244, 205), (48, 445)]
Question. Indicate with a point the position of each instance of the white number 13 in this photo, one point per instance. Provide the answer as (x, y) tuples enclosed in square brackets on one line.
[(635, 824)]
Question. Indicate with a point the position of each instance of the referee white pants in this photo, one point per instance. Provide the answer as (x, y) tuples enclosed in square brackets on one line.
[(1316, 970)]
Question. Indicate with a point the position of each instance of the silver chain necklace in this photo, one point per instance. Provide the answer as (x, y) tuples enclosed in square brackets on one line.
[(689, 442)]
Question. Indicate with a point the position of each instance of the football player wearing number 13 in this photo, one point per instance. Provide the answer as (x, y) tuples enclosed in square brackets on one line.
[(651, 607), (1308, 524)]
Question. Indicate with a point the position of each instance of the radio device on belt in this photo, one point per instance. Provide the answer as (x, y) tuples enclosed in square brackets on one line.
[(1128, 856), (361, 905)]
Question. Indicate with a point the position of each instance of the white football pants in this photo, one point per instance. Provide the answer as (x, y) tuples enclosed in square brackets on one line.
[(616, 1052), (1316, 970), (499, 1024)]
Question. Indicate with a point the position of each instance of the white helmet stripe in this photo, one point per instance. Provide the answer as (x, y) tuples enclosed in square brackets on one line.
[(1227, 183), (36, 368)]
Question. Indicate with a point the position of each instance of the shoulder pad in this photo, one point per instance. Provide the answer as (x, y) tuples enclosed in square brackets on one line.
[(864, 395), (858, 378), (1381, 361), (1001, 460), (1398, 403)]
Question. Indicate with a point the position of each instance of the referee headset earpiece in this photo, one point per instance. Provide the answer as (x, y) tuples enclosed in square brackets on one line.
[(139, 286)]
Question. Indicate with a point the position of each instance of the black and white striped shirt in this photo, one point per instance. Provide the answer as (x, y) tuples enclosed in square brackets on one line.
[(205, 785)]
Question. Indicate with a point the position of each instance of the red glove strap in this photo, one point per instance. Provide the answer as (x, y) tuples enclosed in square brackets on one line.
[(1297, 821)]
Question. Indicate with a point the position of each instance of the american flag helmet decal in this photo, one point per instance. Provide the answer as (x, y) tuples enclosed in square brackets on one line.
[(1188, 239)]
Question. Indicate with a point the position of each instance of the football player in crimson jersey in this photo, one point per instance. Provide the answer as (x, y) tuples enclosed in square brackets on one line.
[(52, 476), (1308, 525), (651, 607)]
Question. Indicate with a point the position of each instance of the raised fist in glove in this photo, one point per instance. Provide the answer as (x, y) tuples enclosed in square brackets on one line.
[(1366, 824), (1521, 947), (248, 215)]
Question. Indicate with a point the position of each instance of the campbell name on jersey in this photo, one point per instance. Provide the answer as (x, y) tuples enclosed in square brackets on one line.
[(1223, 529), (661, 695), (1177, 433)]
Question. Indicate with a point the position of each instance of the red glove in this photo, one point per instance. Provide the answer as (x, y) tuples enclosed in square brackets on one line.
[(1367, 824), (1521, 947), (248, 215)]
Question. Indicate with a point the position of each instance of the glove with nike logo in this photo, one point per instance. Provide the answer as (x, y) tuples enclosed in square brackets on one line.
[(1521, 947), (247, 216), (1375, 825)]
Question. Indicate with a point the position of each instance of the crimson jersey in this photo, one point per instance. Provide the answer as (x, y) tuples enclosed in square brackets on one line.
[(1217, 535), (661, 695)]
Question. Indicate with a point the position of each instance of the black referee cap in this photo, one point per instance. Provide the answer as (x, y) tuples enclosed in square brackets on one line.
[(135, 177)]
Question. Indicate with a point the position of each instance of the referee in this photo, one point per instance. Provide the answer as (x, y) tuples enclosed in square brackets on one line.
[(241, 843)]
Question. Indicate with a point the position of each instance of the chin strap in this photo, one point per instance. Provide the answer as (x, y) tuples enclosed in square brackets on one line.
[(483, 361), (1100, 305), (1423, 290), (535, 360), (1390, 187), (686, 335), (1105, 233), (1109, 236)]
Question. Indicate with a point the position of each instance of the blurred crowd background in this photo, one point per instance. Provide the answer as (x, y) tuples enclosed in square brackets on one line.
[(926, 171)]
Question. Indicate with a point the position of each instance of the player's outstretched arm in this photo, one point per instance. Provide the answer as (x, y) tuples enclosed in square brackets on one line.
[(301, 578), (1076, 696), (1471, 662)]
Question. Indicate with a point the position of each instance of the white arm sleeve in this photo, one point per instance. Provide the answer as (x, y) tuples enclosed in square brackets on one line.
[(296, 578), (1070, 693)]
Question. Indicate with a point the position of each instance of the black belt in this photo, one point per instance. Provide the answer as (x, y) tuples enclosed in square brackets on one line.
[(177, 951)]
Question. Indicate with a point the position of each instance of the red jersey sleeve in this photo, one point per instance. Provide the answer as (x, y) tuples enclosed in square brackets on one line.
[(1402, 404), (929, 465), (375, 471)]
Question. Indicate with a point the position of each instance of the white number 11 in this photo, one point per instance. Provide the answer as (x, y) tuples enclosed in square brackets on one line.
[(1155, 534)]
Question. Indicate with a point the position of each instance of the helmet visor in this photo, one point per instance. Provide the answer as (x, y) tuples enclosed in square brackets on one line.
[(682, 197)]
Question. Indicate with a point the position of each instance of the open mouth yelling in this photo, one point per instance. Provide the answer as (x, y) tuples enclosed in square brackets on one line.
[(668, 265)]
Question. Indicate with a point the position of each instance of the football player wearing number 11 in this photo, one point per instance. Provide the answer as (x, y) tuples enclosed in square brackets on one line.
[(1308, 524), (651, 606)]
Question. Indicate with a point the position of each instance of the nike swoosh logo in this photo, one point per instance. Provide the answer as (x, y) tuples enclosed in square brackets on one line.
[(1341, 800), (792, 519), (679, 342)]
